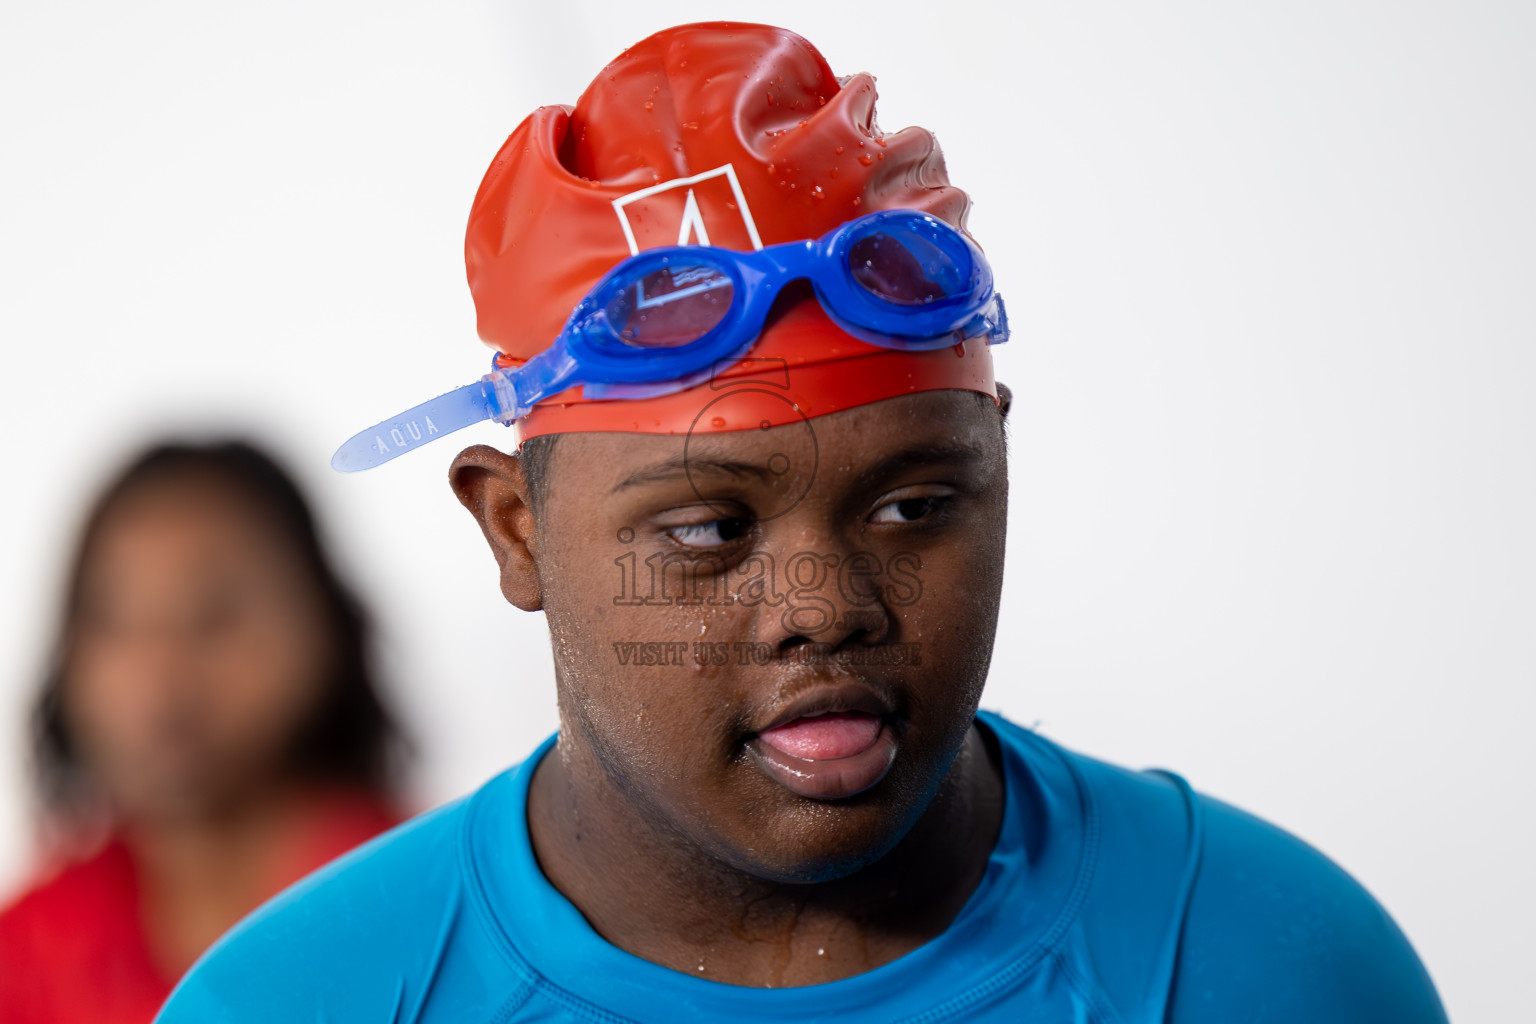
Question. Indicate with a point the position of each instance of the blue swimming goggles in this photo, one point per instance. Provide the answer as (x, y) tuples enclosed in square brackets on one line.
[(661, 321)]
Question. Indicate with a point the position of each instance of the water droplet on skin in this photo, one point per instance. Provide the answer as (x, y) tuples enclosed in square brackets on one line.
[(838, 151), (864, 158), (819, 952), (717, 422), (649, 105), (857, 201)]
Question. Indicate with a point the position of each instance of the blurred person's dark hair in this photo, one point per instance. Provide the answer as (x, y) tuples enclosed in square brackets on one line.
[(352, 740)]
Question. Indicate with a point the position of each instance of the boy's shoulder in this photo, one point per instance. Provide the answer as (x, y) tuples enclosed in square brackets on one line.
[(1270, 915), (1248, 920), (372, 932)]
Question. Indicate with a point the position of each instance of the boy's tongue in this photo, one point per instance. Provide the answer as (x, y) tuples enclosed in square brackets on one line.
[(824, 737)]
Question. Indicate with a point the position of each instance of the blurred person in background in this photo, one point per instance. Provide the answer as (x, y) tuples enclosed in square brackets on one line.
[(209, 731)]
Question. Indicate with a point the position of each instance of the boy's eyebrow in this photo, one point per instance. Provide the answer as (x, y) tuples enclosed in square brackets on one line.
[(949, 452), (680, 467), (915, 455)]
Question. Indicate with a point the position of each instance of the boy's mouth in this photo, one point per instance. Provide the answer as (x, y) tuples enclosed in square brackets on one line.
[(828, 747), (824, 737)]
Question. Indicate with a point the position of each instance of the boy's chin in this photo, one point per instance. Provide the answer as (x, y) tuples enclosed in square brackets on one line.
[(819, 846)]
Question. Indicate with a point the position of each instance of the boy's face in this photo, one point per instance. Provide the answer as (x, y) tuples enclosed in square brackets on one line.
[(710, 598)]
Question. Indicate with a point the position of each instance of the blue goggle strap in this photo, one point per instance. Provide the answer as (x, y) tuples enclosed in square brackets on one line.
[(504, 394), (459, 408)]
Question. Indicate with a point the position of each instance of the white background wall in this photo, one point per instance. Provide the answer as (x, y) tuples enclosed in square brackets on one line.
[(1270, 267)]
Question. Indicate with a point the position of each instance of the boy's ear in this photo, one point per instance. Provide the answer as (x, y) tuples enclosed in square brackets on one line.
[(1004, 399), (491, 485)]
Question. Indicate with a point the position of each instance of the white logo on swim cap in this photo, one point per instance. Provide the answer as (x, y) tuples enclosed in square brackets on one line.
[(703, 209)]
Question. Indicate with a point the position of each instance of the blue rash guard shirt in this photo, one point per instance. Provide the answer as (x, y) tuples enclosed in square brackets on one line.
[(1111, 896)]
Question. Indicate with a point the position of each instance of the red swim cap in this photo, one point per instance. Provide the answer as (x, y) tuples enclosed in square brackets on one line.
[(723, 134)]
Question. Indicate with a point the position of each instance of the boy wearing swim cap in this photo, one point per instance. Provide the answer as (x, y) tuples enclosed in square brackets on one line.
[(759, 492)]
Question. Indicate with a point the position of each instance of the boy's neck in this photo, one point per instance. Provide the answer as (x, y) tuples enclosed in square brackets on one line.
[(667, 901)]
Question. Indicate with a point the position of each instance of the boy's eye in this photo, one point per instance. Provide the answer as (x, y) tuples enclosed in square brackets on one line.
[(907, 510), (713, 534)]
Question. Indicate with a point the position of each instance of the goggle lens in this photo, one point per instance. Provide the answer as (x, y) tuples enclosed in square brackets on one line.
[(905, 267), (676, 305)]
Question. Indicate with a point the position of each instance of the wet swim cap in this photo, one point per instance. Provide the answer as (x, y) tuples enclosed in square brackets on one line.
[(721, 134)]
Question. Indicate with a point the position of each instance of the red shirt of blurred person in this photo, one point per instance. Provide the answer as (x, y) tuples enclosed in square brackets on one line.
[(210, 713)]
